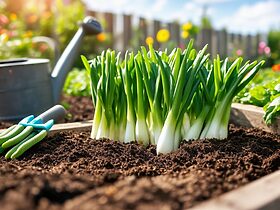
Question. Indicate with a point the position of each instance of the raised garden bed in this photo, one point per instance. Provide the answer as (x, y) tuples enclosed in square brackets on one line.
[(68, 170), (250, 116)]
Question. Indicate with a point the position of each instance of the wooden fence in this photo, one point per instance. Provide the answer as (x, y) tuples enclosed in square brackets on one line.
[(130, 32)]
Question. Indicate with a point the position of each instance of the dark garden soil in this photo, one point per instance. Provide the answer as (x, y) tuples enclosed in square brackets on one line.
[(5, 124), (71, 171), (79, 108)]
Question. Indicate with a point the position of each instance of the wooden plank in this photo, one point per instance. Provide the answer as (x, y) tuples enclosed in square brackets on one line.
[(256, 46), (230, 47), (262, 194), (170, 27), (222, 43), (109, 27), (231, 38), (239, 38), (214, 41), (156, 28), (143, 30), (249, 45), (127, 30), (252, 117), (82, 126), (206, 38), (118, 33), (241, 43), (174, 29)]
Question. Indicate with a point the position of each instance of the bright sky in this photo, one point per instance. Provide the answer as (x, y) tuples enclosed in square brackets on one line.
[(243, 16)]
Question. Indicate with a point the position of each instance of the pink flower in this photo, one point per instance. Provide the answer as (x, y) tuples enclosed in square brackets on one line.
[(3, 19), (182, 46), (262, 45), (12, 33), (239, 52), (267, 50)]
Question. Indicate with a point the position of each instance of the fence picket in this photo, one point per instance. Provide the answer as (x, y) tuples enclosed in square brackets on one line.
[(219, 41), (127, 30), (248, 49), (109, 18), (206, 38), (143, 30), (222, 43), (156, 28), (256, 47)]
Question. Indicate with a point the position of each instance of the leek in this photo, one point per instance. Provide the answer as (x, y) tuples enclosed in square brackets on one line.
[(158, 98)]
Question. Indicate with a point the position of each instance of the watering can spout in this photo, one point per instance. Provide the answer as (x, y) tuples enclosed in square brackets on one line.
[(63, 66)]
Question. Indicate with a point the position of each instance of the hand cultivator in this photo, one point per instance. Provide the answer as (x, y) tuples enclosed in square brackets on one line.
[(29, 131)]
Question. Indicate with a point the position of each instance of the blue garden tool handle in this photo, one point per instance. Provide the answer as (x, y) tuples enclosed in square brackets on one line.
[(45, 120)]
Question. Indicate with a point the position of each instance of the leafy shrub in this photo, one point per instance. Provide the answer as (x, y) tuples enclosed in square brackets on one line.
[(274, 44), (262, 91), (77, 83)]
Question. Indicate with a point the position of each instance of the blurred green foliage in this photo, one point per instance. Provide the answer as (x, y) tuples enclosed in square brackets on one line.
[(66, 19), (206, 22), (77, 83), (17, 31), (274, 44), (262, 91), (21, 21)]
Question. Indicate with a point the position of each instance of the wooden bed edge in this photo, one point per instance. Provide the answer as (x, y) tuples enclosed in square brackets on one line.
[(252, 117), (263, 193)]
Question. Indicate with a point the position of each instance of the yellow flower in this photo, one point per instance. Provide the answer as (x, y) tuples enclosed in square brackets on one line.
[(27, 34), (13, 16), (149, 40), (163, 35), (4, 38), (185, 34), (187, 26), (101, 37)]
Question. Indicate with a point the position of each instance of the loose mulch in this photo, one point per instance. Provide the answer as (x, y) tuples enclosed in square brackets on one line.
[(71, 171)]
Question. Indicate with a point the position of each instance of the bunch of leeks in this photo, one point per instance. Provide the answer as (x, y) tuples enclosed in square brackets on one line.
[(155, 97)]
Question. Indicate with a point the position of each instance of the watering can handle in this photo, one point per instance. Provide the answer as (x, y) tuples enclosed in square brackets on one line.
[(91, 26), (64, 64), (50, 42), (55, 113)]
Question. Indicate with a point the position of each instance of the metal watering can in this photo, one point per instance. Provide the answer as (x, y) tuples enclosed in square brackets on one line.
[(28, 86)]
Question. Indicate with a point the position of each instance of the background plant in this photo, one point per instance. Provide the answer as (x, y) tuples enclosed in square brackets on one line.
[(77, 83), (21, 21), (17, 28), (263, 89), (274, 44)]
